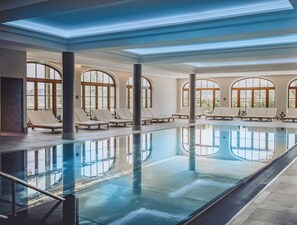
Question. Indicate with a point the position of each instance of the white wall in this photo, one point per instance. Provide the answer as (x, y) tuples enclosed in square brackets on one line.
[(13, 64), (164, 95)]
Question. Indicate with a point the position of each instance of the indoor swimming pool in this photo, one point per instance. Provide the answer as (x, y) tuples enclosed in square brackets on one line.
[(162, 177)]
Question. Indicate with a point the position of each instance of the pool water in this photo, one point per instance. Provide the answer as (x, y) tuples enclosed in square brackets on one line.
[(163, 177)]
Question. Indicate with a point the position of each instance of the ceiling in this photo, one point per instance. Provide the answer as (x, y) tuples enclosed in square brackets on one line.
[(169, 37)]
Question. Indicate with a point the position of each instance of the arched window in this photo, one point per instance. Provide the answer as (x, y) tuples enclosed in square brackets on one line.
[(146, 93), (207, 94), (293, 94), (146, 144), (253, 92), (253, 145), (44, 88), (204, 146), (98, 91), (98, 157)]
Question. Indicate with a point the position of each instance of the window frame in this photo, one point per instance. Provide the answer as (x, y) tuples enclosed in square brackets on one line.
[(54, 82), (292, 88), (200, 89), (253, 89), (97, 85)]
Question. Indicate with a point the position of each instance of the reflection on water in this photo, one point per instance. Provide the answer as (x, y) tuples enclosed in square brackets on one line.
[(44, 168), (253, 144), (241, 143), (146, 149), (161, 176), (204, 146), (97, 157)]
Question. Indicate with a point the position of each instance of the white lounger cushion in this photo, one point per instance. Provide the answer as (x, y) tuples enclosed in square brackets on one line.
[(234, 111), (35, 117), (81, 115), (261, 112), (128, 113), (225, 111), (251, 111), (271, 112), (99, 115), (291, 112), (122, 114), (145, 113), (217, 111), (107, 114), (48, 117)]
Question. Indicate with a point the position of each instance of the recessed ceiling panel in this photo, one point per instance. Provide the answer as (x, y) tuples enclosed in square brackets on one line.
[(138, 14), (286, 39)]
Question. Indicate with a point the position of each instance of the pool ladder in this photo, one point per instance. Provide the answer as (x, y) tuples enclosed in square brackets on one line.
[(15, 180)]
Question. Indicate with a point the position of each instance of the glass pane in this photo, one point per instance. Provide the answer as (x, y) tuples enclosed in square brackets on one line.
[(30, 88), (41, 88), (30, 102), (51, 74), (31, 72), (87, 77), (272, 98), (59, 89), (93, 90), (41, 102), (93, 76), (40, 71)]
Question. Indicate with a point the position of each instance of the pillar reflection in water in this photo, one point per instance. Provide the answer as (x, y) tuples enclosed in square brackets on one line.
[(192, 146), (137, 160), (225, 146), (69, 205)]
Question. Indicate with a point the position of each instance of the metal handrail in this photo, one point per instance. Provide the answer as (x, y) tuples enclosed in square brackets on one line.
[(15, 180), (3, 216)]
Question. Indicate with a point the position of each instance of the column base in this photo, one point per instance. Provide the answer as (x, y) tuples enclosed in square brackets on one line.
[(192, 120), (68, 136), (136, 127)]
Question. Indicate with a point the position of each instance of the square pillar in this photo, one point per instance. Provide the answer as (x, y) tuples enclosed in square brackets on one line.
[(68, 95), (192, 116), (137, 96)]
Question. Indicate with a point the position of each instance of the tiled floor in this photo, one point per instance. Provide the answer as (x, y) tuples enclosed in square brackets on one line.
[(276, 204)]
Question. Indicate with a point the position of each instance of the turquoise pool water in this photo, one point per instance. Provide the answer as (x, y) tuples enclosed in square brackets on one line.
[(161, 177)]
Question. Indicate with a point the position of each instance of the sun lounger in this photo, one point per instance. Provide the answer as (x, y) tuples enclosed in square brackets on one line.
[(290, 115), (223, 113), (260, 114), (44, 119), (148, 112), (250, 113), (81, 119), (105, 115), (126, 114), (270, 114), (184, 112), (215, 113)]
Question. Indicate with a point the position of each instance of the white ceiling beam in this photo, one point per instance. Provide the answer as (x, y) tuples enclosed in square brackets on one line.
[(16, 11)]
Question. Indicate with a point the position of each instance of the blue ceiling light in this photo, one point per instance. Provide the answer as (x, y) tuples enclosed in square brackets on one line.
[(286, 39), (62, 30), (242, 63)]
